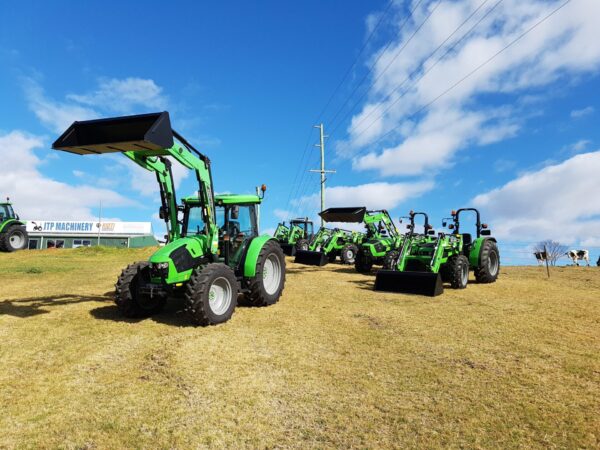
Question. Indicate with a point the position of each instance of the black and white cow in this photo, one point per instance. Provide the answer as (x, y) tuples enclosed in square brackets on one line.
[(579, 255), (541, 257)]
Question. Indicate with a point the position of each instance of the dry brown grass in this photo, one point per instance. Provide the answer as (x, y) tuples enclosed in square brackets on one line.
[(334, 364)]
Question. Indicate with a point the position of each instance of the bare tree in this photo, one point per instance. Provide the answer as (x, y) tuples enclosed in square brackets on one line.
[(553, 249)]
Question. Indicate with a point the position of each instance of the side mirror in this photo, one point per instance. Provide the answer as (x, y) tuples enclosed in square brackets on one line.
[(451, 226), (235, 212), (444, 224), (486, 232), (431, 232)]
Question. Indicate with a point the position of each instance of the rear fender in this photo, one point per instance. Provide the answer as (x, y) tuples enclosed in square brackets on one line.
[(475, 251), (251, 258)]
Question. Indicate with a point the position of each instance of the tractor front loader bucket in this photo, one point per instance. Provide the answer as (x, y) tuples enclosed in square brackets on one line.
[(420, 283), (148, 133), (310, 258), (351, 215), (288, 249)]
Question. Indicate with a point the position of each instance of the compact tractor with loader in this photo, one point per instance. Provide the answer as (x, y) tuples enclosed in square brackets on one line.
[(295, 236), (13, 235), (328, 244), (424, 262), (213, 252), (381, 234)]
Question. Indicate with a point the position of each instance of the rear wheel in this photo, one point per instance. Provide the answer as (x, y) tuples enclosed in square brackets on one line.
[(14, 238), (302, 244), (128, 297), (267, 285), (348, 254), (457, 270), (364, 261), (489, 262), (390, 260), (211, 294)]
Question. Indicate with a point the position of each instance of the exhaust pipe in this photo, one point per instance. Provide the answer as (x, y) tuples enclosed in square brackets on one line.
[(419, 283), (309, 258)]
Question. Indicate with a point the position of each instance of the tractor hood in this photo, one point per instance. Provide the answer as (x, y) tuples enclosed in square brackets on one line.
[(176, 260)]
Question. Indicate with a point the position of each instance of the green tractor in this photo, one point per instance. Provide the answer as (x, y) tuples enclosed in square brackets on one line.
[(13, 235), (391, 258), (295, 236), (425, 262), (328, 244), (213, 252), (381, 234)]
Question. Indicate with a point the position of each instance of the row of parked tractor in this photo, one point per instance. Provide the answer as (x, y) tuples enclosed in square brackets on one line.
[(411, 262)]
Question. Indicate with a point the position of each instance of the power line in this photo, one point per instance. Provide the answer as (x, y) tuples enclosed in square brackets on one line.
[(414, 82), (381, 53), (404, 45), (480, 66)]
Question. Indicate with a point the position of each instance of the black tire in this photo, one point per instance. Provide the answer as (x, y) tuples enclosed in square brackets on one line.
[(14, 238), (348, 254), (457, 271), (211, 294), (390, 260), (261, 294), (364, 261), (302, 244), (489, 262), (127, 296)]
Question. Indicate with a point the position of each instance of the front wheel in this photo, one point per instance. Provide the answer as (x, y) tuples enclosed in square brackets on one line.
[(457, 269), (489, 263), (14, 238), (211, 294), (348, 253), (266, 286), (128, 296), (364, 262), (390, 260)]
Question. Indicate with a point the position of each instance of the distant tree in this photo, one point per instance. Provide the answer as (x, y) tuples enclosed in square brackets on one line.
[(553, 249)]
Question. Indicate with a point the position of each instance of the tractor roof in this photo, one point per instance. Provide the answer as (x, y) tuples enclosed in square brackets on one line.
[(229, 199)]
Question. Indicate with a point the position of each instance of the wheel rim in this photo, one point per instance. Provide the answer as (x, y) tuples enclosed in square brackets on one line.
[(17, 239), (465, 274), (220, 295), (271, 274), (350, 255), (304, 247), (493, 263)]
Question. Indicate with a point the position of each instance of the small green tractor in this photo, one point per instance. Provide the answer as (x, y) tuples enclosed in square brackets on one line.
[(381, 234), (328, 244), (391, 257), (13, 235), (424, 262), (213, 252), (295, 236)]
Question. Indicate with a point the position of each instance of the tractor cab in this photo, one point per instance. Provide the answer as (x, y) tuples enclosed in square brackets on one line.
[(7, 212), (236, 218), (306, 227)]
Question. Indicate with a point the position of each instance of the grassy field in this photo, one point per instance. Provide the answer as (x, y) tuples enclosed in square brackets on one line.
[(333, 364)]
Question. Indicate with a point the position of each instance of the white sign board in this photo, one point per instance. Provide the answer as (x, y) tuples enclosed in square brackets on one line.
[(91, 228)]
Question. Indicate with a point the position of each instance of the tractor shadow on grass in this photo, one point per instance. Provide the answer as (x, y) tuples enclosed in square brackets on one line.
[(34, 306), (172, 314)]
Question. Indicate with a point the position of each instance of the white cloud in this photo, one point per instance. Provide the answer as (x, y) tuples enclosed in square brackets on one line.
[(283, 215), (557, 202), (124, 96), (579, 146), (380, 195), (577, 113), (38, 196), (566, 44), (55, 115)]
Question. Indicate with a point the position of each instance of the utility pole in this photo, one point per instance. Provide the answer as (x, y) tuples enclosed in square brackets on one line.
[(322, 171)]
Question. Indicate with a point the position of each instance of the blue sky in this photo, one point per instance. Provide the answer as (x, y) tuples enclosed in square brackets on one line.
[(245, 82)]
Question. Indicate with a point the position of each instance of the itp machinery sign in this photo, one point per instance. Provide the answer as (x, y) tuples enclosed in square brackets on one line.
[(80, 227)]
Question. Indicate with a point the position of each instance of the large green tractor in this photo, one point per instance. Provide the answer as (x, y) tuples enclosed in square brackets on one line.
[(424, 262), (296, 236), (328, 244), (13, 235), (214, 251)]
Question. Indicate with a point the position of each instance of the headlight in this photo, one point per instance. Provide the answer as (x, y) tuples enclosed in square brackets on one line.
[(162, 265)]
